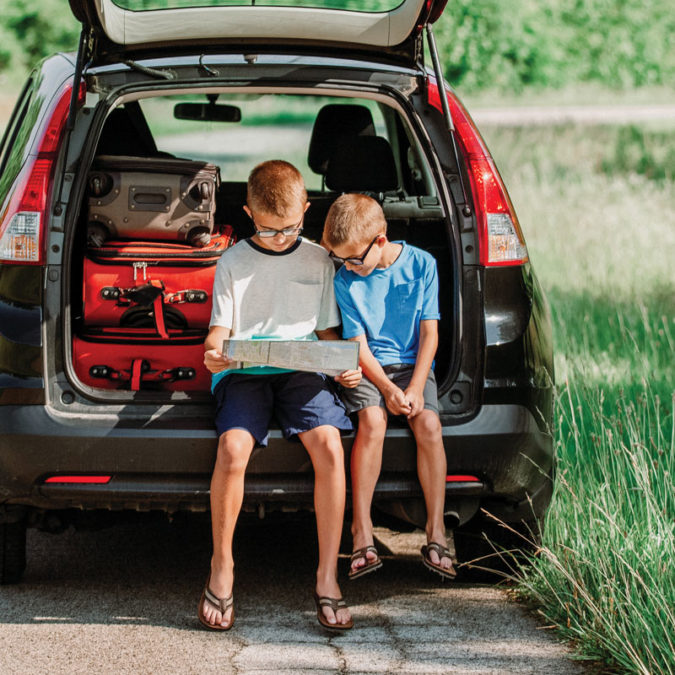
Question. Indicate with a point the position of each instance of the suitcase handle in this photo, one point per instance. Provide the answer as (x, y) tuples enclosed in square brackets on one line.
[(141, 372)]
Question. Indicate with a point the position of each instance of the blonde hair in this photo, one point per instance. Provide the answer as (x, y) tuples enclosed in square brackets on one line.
[(275, 187), (353, 218)]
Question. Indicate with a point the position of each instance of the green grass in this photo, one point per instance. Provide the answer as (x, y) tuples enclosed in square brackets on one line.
[(601, 233)]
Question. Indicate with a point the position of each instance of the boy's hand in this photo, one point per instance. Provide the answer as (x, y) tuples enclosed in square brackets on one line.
[(350, 378), (397, 402), (416, 399), (215, 362)]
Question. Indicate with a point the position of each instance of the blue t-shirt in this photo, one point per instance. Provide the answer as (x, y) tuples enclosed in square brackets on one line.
[(388, 305)]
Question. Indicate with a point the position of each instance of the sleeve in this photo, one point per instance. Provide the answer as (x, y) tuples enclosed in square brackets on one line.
[(222, 311), (430, 299), (352, 326), (329, 317)]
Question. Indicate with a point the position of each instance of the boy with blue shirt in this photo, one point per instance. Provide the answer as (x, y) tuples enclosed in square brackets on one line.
[(387, 293), (274, 285)]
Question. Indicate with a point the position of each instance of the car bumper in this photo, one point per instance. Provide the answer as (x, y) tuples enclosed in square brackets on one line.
[(161, 464)]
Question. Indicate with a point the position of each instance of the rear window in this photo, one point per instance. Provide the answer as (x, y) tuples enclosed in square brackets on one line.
[(352, 5), (272, 126)]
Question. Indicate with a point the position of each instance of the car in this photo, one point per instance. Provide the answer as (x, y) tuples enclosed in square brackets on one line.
[(351, 99)]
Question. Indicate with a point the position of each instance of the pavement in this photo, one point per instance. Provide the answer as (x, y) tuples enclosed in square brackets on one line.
[(124, 600)]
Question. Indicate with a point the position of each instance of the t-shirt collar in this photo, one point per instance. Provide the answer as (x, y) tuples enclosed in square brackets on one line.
[(267, 251)]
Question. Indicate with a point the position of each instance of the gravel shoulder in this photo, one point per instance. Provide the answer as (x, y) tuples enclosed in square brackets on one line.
[(124, 600)]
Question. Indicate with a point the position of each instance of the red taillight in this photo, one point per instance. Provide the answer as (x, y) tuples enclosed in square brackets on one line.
[(500, 236), (461, 479), (79, 479), (22, 222)]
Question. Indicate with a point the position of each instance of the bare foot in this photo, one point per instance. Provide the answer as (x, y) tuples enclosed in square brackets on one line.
[(220, 584), (330, 589)]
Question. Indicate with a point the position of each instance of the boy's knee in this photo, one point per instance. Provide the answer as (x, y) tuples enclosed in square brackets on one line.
[(373, 421), (427, 426), (233, 453)]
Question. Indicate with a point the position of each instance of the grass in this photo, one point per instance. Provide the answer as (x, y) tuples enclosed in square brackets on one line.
[(601, 234)]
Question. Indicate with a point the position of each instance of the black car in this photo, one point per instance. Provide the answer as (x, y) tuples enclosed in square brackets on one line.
[(344, 95)]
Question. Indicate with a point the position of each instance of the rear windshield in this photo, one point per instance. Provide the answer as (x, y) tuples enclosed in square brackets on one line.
[(352, 5), (272, 126)]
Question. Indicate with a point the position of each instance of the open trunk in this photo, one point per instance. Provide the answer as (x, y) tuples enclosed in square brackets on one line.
[(140, 289)]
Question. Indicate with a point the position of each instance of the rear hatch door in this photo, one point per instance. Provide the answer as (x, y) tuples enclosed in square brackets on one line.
[(128, 29)]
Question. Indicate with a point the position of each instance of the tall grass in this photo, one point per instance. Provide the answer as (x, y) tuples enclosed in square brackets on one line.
[(601, 233)]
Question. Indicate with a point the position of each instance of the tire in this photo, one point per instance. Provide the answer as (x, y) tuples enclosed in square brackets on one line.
[(489, 552), (12, 552)]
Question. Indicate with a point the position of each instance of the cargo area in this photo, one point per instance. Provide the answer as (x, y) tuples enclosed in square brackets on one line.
[(164, 197)]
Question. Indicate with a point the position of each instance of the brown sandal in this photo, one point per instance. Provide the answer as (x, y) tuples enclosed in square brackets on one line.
[(221, 604), (442, 552), (370, 566), (334, 604)]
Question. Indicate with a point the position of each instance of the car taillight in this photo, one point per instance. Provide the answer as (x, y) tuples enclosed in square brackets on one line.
[(23, 220), (501, 239)]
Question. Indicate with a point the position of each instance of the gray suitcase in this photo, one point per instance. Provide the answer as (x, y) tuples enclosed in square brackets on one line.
[(158, 198)]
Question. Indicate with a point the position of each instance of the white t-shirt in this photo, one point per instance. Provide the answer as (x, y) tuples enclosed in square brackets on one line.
[(258, 293)]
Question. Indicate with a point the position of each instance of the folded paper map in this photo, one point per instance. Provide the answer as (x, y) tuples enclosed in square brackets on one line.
[(315, 356)]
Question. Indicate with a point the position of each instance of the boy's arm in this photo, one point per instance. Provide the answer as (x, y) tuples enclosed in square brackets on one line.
[(425, 356), (350, 378), (394, 397), (213, 345)]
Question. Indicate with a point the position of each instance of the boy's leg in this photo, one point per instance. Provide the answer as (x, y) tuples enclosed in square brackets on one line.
[(366, 463), (325, 450), (227, 493), (243, 411), (432, 469)]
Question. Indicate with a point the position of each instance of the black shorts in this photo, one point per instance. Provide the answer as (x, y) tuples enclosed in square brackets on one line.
[(299, 401)]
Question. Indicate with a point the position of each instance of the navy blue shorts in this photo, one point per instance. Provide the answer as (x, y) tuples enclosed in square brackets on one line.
[(300, 402)]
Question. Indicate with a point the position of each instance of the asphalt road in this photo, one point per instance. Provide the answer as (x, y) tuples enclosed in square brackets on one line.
[(124, 600)]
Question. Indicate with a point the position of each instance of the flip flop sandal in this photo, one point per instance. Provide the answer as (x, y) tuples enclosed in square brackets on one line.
[(370, 566), (221, 604), (334, 604), (442, 552)]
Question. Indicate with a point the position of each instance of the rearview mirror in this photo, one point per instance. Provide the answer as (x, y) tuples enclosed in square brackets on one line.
[(207, 112)]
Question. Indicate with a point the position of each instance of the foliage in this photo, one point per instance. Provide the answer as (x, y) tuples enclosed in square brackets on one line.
[(602, 245), (34, 30), (483, 43)]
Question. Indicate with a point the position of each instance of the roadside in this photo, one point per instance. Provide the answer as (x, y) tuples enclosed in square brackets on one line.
[(124, 600)]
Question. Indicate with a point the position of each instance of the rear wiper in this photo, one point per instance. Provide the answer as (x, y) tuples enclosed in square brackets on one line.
[(153, 72)]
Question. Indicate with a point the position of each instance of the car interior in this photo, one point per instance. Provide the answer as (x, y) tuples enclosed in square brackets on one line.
[(339, 144)]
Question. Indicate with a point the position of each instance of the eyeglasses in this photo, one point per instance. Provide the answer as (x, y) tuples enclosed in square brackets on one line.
[(287, 231), (355, 261)]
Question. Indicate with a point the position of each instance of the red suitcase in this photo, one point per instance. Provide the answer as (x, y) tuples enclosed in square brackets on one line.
[(137, 359), (128, 283)]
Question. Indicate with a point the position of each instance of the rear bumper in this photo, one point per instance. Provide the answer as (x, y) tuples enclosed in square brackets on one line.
[(160, 464)]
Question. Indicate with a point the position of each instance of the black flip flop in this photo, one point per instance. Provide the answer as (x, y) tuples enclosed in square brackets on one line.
[(370, 566), (221, 604), (442, 552), (334, 604)]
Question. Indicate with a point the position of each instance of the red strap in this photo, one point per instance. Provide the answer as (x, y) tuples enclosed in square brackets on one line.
[(158, 311), (136, 374)]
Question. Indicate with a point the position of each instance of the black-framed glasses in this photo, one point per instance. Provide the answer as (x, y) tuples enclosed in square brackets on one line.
[(286, 231), (355, 261)]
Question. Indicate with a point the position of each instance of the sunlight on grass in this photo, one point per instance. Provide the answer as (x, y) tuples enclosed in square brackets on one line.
[(602, 242)]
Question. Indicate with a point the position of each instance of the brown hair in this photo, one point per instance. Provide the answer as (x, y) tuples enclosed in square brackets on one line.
[(353, 218), (275, 187)]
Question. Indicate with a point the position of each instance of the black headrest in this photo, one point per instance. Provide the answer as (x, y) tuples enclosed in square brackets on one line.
[(333, 122), (362, 164), (126, 132)]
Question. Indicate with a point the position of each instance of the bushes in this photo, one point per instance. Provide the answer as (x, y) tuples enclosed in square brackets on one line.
[(493, 44), (510, 45)]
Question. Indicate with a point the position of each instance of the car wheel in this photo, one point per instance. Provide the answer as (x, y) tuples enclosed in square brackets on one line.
[(490, 551), (12, 552)]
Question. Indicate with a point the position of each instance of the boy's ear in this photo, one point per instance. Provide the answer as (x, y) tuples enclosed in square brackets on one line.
[(307, 205), (248, 211)]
